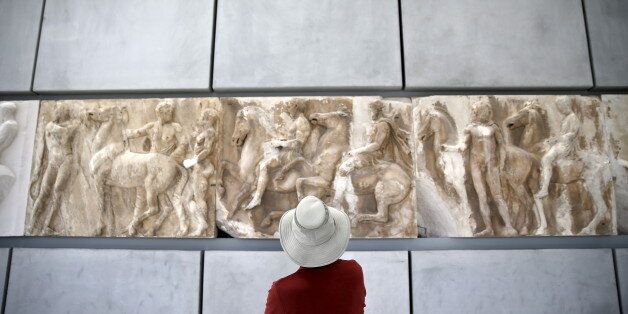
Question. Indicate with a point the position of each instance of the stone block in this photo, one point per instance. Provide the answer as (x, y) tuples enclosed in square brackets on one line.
[(616, 122), (17, 136), (19, 31), (607, 22), (513, 165), (129, 167), (373, 187), (252, 274), (307, 45), (517, 281), (503, 44), (125, 45), (103, 281)]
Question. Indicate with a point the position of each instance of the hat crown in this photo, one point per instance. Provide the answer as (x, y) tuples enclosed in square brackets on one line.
[(311, 213)]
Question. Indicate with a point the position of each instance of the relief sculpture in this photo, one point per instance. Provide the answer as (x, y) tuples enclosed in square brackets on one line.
[(119, 167), (513, 165), (279, 150), (8, 132), (617, 122)]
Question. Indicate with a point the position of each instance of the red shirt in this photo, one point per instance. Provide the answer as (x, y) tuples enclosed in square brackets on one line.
[(334, 288)]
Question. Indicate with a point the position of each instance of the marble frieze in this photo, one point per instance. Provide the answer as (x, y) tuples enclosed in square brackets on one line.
[(437, 166), (352, 152), (141, 167), (514, 165)]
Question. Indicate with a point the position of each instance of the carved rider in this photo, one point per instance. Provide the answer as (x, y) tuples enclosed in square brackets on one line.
[(57, 149), (387, 142), (165, 135), (561, 146), (284, 153), (483, 142)]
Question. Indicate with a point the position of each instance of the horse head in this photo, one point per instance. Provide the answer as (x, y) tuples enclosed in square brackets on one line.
[(525, 116), (109, 114), (251, 120)]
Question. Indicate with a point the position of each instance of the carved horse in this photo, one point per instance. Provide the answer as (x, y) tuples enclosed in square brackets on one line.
[(328, 152), (151, 174), (386, 181), (437, 127), (567, 171), (252, 132)]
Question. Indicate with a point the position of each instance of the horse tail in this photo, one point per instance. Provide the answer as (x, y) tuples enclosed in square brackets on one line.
[(183, 180)]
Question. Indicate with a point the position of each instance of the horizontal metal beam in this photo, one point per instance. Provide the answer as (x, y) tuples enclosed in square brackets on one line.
[(421, 244)]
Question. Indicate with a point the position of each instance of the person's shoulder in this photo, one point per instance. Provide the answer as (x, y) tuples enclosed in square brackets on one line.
[(350, 264)]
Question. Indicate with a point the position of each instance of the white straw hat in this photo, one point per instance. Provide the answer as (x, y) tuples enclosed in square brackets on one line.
[(314, 234)]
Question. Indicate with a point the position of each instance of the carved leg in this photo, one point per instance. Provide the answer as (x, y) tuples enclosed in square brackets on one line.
[(199, 206), (485, 211), (596, 192), (262, 182), (140, 206), (272, 216), (153, 208), (46, 185), (165, 208), (245, 190), (546, 172), (384, 197), (60, 184)]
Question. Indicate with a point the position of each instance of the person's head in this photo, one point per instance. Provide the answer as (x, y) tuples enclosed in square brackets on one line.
[(61, 112), (376, 109), (564, 105), (208, 118), (314, 234), (482, 111), (295, 106), (165, 111), (7, 111)]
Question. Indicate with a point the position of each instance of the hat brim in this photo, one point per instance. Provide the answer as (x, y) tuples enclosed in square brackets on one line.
[(317, 255)]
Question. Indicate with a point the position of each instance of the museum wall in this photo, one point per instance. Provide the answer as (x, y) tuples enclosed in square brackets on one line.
[(484, 139)]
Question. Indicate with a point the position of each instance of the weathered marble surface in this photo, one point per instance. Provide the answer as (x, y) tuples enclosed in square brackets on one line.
[(385, 276), (124, 166), (19, 28), (607, 22), (103, 281), (352, 152), (517, 281), (125, 45), (18, 120), (468, 44), (513, 146), (307, 44), (618, 128)]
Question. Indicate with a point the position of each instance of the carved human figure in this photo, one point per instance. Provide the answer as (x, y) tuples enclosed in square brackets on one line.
[(165, 135), (8, 125), (203, 139), (55, 157), (386, 142), (560, 146), (282, 153), (483, 142), (8, 131), (380, 167)]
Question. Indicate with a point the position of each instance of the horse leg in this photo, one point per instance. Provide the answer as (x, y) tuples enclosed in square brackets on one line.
[(386, 194), (315, 182), (153, 208), (165, 207), (140, 206), (596, 191), (262, 182), (245, 190)]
